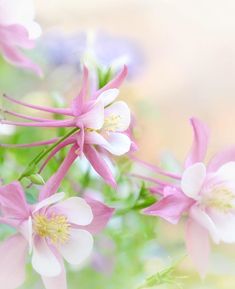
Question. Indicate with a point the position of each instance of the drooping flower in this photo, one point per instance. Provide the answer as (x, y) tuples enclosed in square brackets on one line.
[(49, 231), (18, 30), (206, 194), (101, 124)]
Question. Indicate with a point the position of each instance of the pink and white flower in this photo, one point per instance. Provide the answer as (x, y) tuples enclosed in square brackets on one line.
[(206, 194), (18, 30), (102, 124), (51, 230)]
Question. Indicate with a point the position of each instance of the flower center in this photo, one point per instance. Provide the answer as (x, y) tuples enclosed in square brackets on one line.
[(112, 123), (56, 228), (220, 198)]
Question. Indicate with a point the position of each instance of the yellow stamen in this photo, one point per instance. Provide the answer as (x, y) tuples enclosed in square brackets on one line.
[(112, 123), (56, 228), (220, 198)]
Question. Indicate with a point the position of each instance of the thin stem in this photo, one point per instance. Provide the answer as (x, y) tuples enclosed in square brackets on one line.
[(43, 153)]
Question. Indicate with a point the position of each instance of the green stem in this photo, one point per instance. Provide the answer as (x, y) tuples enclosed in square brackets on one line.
[(31, 166)]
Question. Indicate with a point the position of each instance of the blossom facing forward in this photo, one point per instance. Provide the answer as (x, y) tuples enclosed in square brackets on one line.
[(206, 194), (18, 30), (51, 230)]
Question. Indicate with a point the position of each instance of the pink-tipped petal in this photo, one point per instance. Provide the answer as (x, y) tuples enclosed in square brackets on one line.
[(53, 199), (35, 144), (94, 118), (12, 262), (221, 158), (19, 115), (200, 142), (99, 164), (101, 215), (78, 248), (76, 209), (13, 202), (115, 83), (77, 104), (193, 179), (170, 207), (53, 184), (198, 246)]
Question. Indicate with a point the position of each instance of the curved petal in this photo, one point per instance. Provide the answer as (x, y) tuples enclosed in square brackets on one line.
[(225, 225), (49, 201), (193, 179), (198, 246), (43, 259), (57, 282), (202, 218), (76, 209), (101, 215), (13, 257), (221, 158), (121, 112), (226, 172), (116, 143), (200, 141), (108, 96), (99, 164), (78, 248), (13, 202), (170, 207)]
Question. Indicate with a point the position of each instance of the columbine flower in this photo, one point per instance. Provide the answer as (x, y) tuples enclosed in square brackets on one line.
[(100, 121), (49, 230), (18, 29), (206, 193)]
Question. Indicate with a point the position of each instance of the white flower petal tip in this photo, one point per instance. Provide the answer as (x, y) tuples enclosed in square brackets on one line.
[(193, 179)]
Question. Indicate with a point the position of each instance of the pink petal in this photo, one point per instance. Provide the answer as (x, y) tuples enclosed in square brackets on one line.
[(53, 184), (15, 57), (198, 246), (13, 202), (101, 215), (12, 262), (78, 248), (99, 164), (170, 207), (76, 209), (65, 111), (221, 158), (58, 282), (193, 179), (53, 123), (44, 260), (199, 147), (77, 104), (115, 83)]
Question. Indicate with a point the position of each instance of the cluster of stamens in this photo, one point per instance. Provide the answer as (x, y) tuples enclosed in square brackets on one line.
[(112, 123), (56, 227)]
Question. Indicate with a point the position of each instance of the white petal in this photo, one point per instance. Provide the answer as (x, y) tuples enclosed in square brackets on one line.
[(94, 118), (205, 221), (49, 201), (226, 172), (120, 110), (225, 225), (193, 179), (76, 209), (108, 96), (78, 248), (26, 229), (117, 143), (43, 259)]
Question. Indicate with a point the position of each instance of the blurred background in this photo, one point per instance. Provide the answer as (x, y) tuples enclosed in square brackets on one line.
[(181, 58)]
